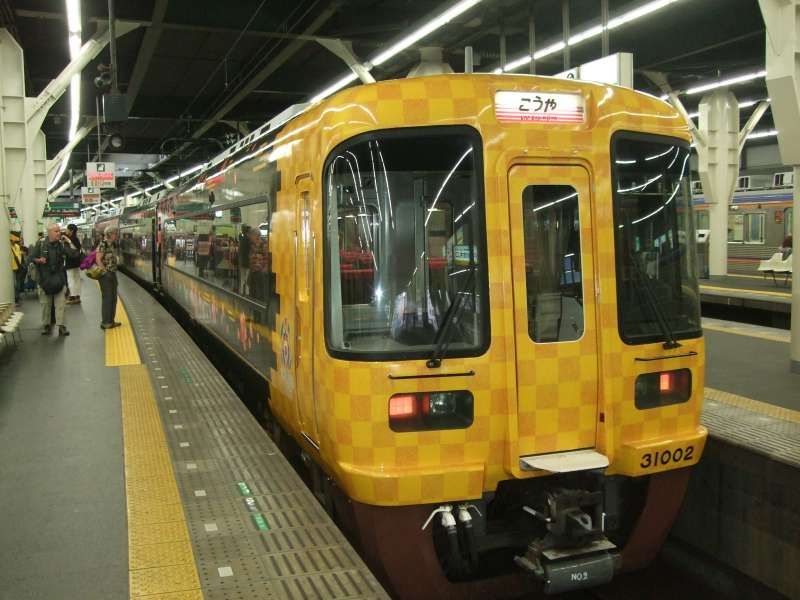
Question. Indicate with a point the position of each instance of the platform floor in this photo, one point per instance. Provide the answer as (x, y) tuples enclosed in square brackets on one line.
[(135, 421), (752, 399), (750, 291)]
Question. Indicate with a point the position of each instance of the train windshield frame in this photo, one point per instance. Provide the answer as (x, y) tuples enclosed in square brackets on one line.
[(406, 269), (654, 234)]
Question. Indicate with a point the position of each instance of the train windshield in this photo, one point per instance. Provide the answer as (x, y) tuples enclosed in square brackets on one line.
[(405, 245), (657, 291)]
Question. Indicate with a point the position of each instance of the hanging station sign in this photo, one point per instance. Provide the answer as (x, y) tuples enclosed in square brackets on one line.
[(539, 107), (60, 210), (100, 175), (616, 69), (91, 195), (12, 212)]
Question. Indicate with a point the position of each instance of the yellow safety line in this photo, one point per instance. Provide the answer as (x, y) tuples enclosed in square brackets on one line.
[(749, 332), (120, 343), (161, 560), (777, 412), (756, 292), (752, 276)]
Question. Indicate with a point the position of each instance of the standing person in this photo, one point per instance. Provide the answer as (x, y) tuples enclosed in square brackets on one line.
[(244, 260), (49, 255), (73, 266), (18, 266), (107, 261)]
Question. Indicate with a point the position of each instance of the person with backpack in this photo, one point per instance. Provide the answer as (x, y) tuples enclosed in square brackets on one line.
[(73, 266), (49, 255)]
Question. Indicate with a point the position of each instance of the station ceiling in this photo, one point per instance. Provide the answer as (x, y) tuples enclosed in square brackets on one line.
[(190, 58)]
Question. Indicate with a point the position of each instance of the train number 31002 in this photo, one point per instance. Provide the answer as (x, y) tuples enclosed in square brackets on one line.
[(665, 457)]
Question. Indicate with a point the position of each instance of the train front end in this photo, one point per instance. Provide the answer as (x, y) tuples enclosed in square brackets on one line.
[(509, 372)]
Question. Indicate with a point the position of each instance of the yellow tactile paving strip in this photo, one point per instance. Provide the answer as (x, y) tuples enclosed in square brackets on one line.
[(745, 291), (120, 343), (777, 412), (161, 560)]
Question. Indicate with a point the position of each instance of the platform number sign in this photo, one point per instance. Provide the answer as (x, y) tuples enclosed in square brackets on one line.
[(539, 107)]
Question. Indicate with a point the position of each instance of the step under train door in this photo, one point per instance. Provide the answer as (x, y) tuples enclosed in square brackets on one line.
[(554, 317)]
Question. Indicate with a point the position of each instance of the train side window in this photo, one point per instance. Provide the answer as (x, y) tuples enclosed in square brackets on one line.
[(553, 270)]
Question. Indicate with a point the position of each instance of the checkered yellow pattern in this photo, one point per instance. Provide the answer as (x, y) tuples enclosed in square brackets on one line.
[(528, 398)]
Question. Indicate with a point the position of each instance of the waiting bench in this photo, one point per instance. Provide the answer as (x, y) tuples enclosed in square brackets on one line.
[(776, 264), (9, 324)]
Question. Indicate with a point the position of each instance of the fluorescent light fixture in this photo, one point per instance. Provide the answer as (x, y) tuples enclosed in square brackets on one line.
[(409, 40), (443, 19), (762, 134), (74, 43), (726, 82), (638, 13), (587, 34), (333, 88), (742, 104)]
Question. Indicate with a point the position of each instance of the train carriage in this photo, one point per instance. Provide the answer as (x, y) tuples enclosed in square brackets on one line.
[(474, 300)]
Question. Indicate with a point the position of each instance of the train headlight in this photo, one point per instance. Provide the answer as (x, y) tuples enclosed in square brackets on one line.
[(663, 388), (426, 411)]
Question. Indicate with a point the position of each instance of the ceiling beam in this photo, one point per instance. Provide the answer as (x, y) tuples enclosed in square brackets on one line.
[(273, 65), (146, 51)]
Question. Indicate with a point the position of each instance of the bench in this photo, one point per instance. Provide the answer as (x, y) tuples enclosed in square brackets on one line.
[(9, 324), (776, 264)]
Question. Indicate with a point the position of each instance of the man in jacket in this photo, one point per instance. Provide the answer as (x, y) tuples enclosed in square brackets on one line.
[(50, 255), (73, 266)]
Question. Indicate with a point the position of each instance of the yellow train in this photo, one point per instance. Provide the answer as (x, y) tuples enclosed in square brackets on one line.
[(475, 303)]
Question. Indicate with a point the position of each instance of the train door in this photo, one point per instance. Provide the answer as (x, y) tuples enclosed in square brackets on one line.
[(554, 315), (154, 245), (305, 249)]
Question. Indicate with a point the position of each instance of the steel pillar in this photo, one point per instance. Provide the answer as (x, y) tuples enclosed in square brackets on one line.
[(718, 164), (13, 149), (782, 18)]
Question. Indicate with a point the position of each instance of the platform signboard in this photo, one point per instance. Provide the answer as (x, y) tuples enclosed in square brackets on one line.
[(62, 210), (12, 212), (100, 175), (91, 195)]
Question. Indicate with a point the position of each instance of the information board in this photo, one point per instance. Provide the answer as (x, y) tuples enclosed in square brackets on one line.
[(100, 175)]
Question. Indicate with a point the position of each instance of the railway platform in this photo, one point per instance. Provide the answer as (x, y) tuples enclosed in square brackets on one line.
[(753, 292), (130, 469), (743, 496)]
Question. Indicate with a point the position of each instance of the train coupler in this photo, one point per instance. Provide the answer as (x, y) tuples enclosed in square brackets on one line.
[(574, 554)]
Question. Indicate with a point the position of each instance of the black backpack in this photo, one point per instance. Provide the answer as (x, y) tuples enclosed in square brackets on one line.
[(51, 275)]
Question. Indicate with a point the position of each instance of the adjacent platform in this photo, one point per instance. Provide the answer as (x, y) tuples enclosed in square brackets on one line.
[(748, 291), (213, 509)]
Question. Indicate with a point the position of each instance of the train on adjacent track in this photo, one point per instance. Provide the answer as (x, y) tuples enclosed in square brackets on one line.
[(474, 301)]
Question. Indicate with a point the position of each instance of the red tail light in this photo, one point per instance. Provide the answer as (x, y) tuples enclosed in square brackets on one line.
[(664, 388), (665, 382), (403, 406), (430, 411)]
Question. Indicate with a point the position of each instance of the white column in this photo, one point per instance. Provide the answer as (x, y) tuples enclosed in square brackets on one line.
[(782, 18), (718, 164)]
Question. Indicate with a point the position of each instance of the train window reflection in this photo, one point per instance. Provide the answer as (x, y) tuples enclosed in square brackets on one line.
[(228, 247), (657, 293), (404, 242), (553, 274)]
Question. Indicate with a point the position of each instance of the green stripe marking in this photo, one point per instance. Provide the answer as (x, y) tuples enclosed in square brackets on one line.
[(261, 522)]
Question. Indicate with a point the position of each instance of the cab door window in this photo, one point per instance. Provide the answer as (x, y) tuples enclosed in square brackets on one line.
[(553, 272)]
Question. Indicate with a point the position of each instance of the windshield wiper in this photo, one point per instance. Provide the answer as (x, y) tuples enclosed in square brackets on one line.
[(442, 339), (646, 285)]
